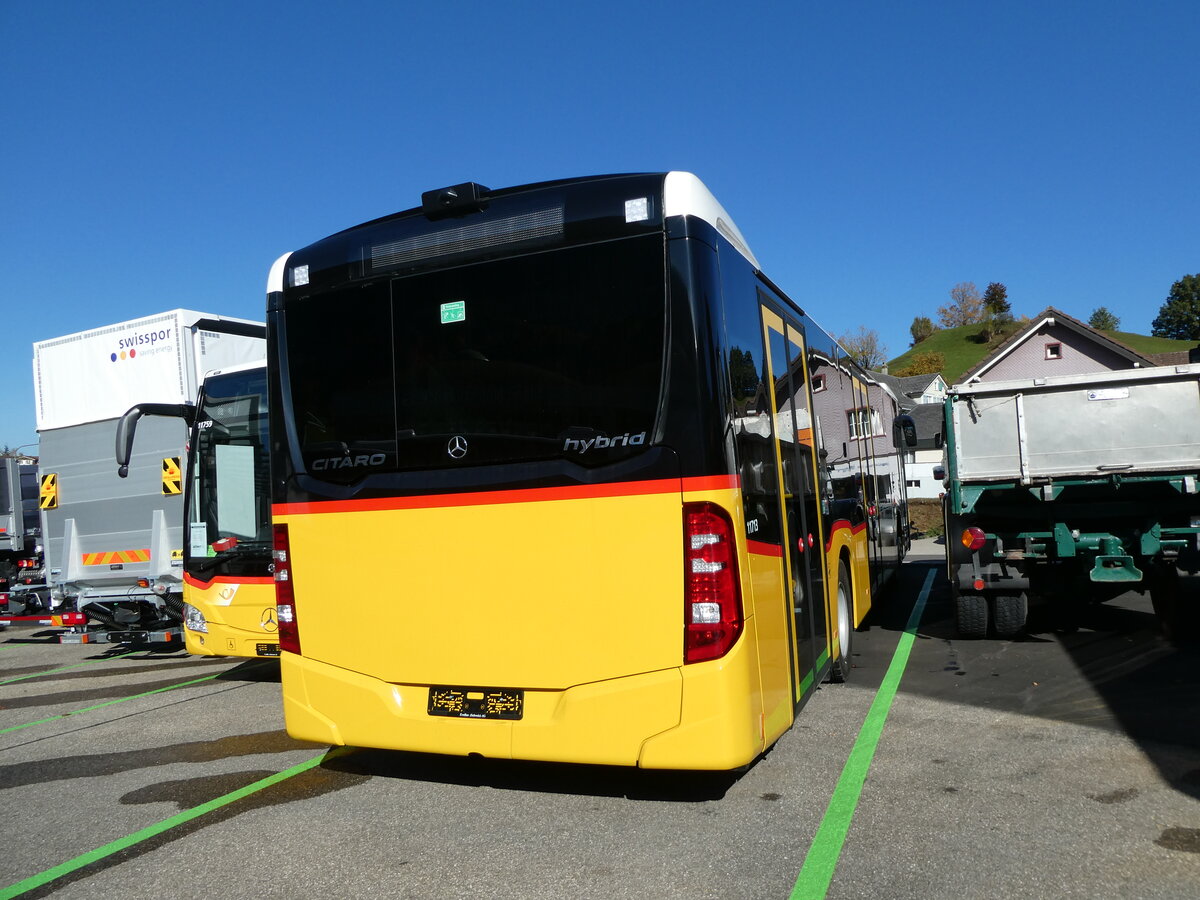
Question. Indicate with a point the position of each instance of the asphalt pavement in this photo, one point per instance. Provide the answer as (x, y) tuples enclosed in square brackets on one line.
[(1060, 764)]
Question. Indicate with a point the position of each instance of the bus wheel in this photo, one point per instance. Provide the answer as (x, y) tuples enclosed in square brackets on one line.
[(1010, 613), (971, 615), (840, 670)]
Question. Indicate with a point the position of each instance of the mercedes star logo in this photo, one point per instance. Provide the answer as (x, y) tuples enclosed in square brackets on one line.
[(457, 448), (267, 620)]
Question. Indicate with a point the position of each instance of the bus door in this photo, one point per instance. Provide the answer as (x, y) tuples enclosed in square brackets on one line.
[(794, 438)]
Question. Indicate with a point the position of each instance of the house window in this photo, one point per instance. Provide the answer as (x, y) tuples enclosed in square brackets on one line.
[(913, 483), (1054, 351), (863, 423), (818, 383)]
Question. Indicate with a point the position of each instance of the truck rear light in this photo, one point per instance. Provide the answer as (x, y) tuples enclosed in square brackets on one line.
[(285, 595), (712, 607), (974, 538), (69, 619)]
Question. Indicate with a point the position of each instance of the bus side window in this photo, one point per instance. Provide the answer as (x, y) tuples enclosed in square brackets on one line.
[(750, 404)]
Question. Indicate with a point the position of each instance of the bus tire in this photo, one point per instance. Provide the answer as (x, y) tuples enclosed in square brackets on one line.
[(971, 615), (1010, 613), (840, 669)]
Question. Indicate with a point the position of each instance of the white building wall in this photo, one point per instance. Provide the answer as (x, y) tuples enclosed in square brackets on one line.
[(919, 475)]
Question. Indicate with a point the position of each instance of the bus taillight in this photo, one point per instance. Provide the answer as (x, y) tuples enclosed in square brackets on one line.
[(712, 606), (285, 597)]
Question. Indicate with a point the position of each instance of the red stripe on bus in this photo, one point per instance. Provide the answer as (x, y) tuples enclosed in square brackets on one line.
[(524, 495), (712, 483), (227, 579), (839, 525), (761, 549)]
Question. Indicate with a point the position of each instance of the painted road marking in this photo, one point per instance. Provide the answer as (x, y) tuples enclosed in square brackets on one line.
[(826, 849), (85, 859), (76, 712), (65, 668)]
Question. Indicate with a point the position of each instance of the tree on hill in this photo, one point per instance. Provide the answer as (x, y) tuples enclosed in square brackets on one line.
[(865, 347), (928, 363), (921, 328), (1102, 319), (965, 307), (997, 313), (1179, 316), (995, 299)]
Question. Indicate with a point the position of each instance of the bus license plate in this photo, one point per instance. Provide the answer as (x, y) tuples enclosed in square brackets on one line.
[(476, 703), (267, 649)]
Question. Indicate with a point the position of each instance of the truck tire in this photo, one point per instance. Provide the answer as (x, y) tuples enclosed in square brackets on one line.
[(971, 615), (1010, 613), (840, 670)]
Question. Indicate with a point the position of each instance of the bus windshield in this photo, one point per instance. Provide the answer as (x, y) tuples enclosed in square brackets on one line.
[(229, 503), (554, 354)]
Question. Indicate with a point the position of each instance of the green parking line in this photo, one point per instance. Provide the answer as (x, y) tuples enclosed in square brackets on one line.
[(86, 662), (85, 859), (76, 712), (826, 849)]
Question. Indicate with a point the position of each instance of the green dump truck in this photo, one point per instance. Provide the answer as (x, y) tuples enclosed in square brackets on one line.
[(1072, 489)]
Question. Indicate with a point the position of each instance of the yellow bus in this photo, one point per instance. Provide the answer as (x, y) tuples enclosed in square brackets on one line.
[(596, 490), (228, 589), (228, 606)]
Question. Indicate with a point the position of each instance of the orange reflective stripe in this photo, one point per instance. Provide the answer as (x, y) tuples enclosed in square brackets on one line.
[(116, 556)]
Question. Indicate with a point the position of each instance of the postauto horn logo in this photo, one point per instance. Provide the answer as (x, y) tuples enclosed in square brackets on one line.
[(141, 343)]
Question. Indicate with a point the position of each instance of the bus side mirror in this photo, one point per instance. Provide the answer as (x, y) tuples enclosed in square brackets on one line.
[(904, 432), (127, 426)]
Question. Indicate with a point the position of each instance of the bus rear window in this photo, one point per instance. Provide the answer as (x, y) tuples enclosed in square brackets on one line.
[(555, 354)]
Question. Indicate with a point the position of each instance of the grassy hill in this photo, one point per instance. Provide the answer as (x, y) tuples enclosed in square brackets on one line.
[(1145, 344), (962, 348)]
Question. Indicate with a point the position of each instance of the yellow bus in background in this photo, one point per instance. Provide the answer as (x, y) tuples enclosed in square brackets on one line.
[(614, 498), (228, 589)]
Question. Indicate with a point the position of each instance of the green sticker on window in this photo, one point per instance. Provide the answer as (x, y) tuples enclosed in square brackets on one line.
[(454, 312)]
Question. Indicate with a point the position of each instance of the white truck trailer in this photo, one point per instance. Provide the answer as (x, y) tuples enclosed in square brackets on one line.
[(1070, 489), (114, 546)]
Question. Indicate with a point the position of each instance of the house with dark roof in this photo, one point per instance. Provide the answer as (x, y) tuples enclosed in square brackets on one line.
[(923, 388), (1054, 343), (920, 396)]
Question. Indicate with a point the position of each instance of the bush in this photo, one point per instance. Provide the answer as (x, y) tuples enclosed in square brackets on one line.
[(925, 516)]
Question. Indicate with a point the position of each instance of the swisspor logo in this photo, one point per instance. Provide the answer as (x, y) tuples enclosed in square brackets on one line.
[(142, 343)]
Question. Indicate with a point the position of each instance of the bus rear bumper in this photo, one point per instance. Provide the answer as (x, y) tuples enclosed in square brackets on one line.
[(630, 721)]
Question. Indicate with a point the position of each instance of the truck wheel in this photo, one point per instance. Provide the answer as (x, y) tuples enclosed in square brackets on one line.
[(971, 615), (1010, 614), (840, 670)]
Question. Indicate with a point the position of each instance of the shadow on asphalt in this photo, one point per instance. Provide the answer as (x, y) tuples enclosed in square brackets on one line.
[(1104, 666), (539, 777)]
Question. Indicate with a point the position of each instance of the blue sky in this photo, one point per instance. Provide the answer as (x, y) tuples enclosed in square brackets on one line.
[(874, 154)]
